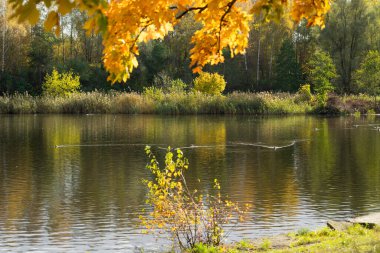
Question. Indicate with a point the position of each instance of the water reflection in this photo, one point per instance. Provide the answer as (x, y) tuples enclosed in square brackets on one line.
[(73, 182)]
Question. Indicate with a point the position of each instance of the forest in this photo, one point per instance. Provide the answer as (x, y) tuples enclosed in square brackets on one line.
[(281, 56)]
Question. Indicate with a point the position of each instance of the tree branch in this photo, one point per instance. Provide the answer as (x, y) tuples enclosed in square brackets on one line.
[(229, 7), (200, 9)]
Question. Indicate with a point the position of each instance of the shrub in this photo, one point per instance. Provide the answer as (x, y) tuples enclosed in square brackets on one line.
[(357, 114), (201, 248), (266, 244), (153, 93), (210, 83), (188, 216), (304, 94), (371, 112), (60, 85), (177, 86), (162, 80)]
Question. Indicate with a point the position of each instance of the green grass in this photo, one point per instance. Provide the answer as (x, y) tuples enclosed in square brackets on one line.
[(180, 102), (355, 239)]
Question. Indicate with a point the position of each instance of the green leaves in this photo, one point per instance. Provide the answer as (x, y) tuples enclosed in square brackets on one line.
[(61, 85), (321, 72), (367, 77)]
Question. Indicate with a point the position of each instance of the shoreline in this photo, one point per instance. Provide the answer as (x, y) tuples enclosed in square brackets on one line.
[(187, 103), (360, 234), (354, 238)]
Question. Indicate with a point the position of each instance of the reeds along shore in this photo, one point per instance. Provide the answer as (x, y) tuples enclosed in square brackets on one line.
[(184, 103)]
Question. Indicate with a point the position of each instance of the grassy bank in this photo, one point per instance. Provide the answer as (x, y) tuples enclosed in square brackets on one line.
[(182, 103), (355, 239)]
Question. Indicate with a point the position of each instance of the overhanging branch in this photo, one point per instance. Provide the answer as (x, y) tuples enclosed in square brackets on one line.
[(199, 9)]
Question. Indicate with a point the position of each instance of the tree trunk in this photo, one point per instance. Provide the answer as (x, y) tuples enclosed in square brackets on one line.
[(71, 36), (63, 42), (271, 58), (4, 34), (258, 60)]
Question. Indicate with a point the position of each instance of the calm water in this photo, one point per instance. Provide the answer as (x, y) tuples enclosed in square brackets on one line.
[(73, 183)]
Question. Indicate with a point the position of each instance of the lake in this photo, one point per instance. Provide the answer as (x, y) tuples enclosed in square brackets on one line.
[(73, 183)]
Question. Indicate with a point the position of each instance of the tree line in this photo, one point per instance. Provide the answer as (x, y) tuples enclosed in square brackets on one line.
[(280, 55)]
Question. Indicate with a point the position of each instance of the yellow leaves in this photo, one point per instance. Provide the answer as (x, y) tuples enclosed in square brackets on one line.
[(131, 22), (216, 184), (186, 215), (25, 11), (134, 62), (65, 6), (312, 10), (223, 27), (270, 9), (153, 33), (28, 11), (179, 211), (51, 21), (34, 15)]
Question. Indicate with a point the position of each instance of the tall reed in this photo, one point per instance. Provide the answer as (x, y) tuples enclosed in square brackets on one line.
[(181, 102)]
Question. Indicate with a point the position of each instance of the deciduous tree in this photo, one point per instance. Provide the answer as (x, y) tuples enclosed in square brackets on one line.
[(345, 37), (368, 75), (321, 72)]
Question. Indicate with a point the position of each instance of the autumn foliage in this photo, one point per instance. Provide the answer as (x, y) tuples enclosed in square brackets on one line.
[(186, 215), (210, 83), (60, 84), (126, 23)]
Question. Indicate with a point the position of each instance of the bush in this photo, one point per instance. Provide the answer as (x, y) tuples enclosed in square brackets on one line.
[(60, 85), (304, 94), (189, 217), (210, 83), (177, 86), (162, 80), (154, 93)]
